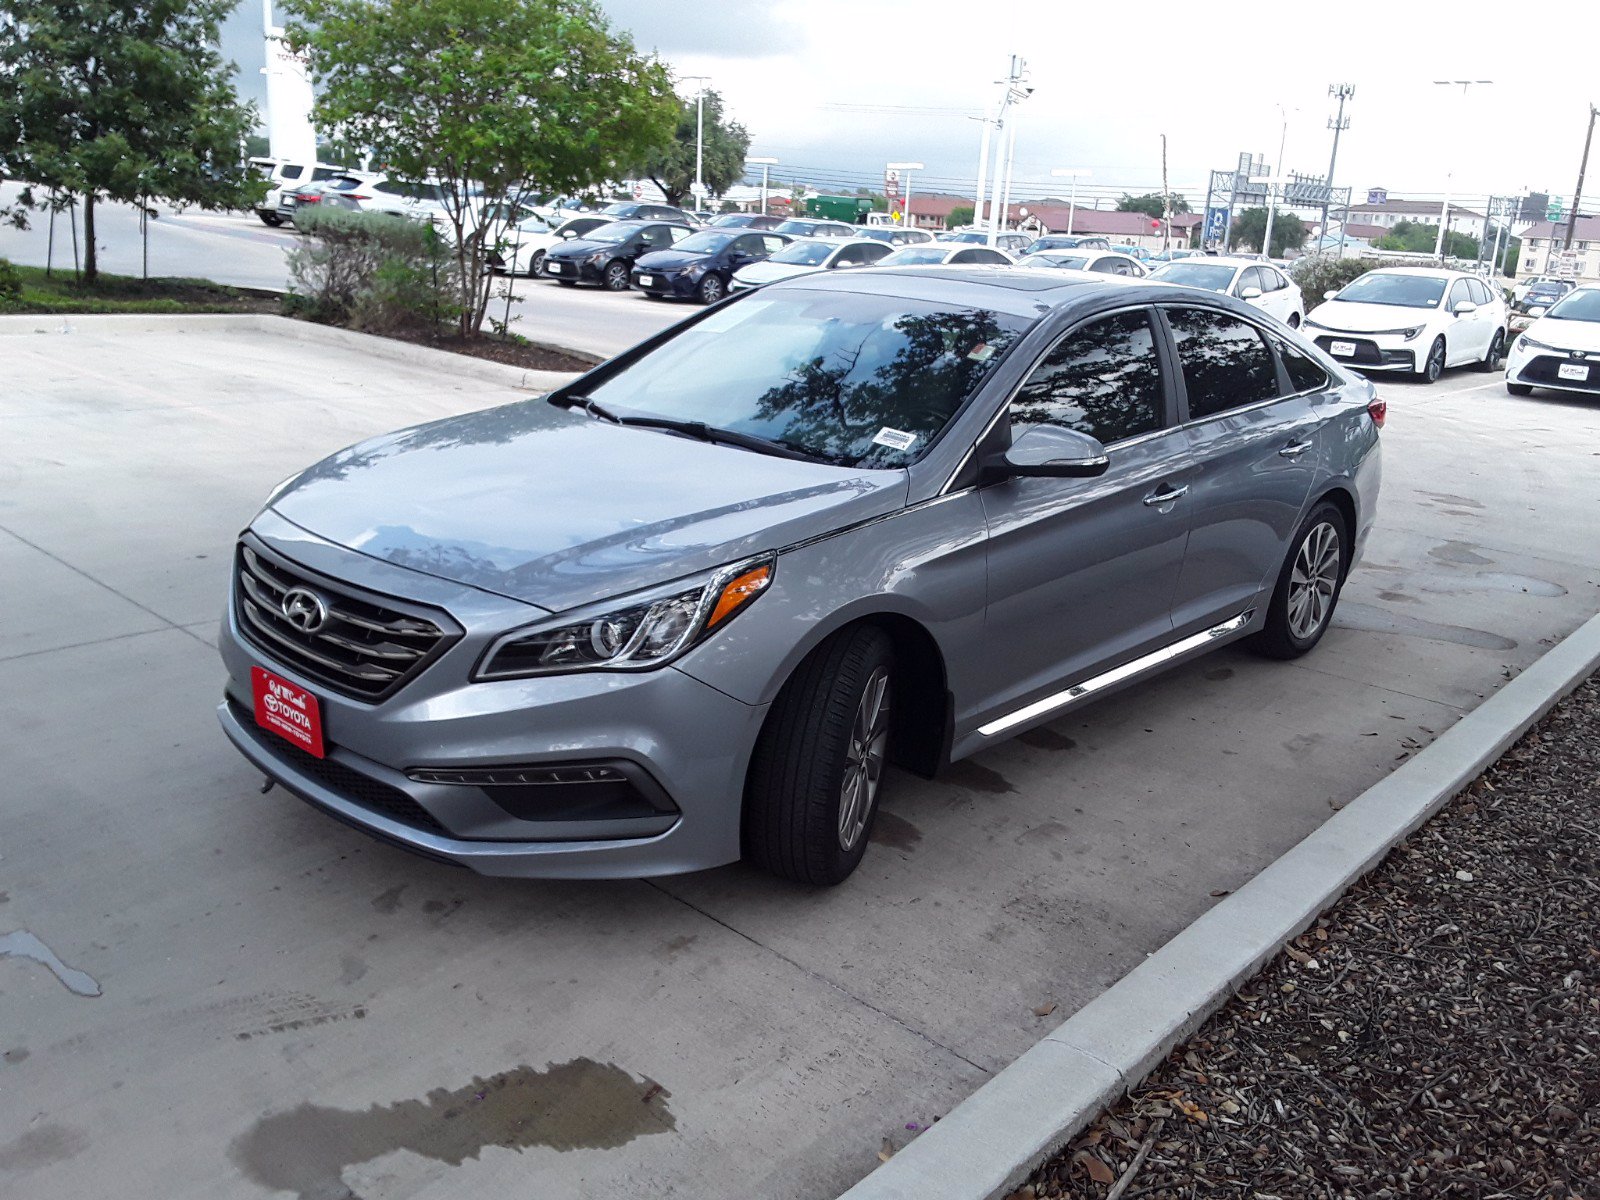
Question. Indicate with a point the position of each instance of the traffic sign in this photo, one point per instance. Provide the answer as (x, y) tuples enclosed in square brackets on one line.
[(1553, 212)]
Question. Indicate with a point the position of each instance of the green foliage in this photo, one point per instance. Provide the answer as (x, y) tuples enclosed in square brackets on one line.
[(38, 291), (493, 98), (1419, 238), (10, 284), (1512, 255), (671, 165), (1316, 274), (1151, 204), (1250, 226), (960, 215), (371, 271), (120, 100)]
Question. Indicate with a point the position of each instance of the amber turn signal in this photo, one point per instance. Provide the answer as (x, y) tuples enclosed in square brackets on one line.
[(740, 591)]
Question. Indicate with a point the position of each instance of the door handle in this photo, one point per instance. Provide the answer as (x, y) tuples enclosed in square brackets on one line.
[(1156, 499), (1294, 449)]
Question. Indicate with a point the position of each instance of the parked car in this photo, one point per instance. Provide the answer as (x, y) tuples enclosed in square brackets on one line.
[(635, 210), (1561, 349), (1066, 241), (1174, 255), (1416, 319), (527, 244), (940, 254), (282, 176), (689, 606), (808, 255), (1011, 243), (606, 255), (747, 221), (1260, 284), (895, 235), (1541, 294), (1099, 261), (1520, 289), (801, 227), (335, 191), (701, 266)]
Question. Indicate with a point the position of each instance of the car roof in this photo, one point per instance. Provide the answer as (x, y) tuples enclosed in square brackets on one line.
[(1421, 272), (1222, 260), (1018, 291)]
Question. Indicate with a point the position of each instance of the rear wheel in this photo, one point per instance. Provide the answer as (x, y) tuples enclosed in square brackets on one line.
[(1433, 365), (1308, 586), (812, 791), (1294, 320), (1497, 349), (616, 277), (1520, 389), (272, 219)]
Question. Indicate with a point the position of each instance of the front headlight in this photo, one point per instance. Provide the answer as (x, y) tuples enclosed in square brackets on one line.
[(634, 634), (1531, 344), (1410, 332)]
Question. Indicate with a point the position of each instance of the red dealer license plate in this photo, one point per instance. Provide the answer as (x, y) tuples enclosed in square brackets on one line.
[(288, 710)]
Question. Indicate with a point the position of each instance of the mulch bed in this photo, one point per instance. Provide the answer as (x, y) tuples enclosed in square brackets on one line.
[(514, 353), (1435, 1034)]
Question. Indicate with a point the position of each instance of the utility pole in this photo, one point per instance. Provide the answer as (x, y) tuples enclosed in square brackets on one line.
[(1583, 167), (1338, 124), (1166, 201)]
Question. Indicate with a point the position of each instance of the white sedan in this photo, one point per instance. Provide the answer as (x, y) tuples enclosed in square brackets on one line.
[(807, 255), (1416, 319), (1101, 262), (1561, 350), (955, 254), (525, 245), (1259, 284)]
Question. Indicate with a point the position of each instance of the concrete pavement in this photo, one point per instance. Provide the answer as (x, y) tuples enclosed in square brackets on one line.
[(288, 1007)]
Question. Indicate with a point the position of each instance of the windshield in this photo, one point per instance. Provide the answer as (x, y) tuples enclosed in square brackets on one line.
[(705, 243), (1071, 262), (1582, 305), (617, 231), (858, 380), (1401, 291), (910, 256), (1210, 276), (979, 238), (620, 209), (801, 228), (804, 254)]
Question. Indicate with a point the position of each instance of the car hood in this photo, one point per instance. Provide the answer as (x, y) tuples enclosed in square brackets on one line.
[(771, 272), (672, 260), (1566, 335), (581, 248), (1369, 318), (557, 509)]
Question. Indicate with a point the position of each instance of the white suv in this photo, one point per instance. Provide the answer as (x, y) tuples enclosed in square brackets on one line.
[(284, 176)]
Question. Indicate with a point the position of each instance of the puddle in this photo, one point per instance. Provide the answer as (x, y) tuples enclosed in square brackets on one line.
[(1354, 615), (894, 832), (22, 944), (1448, 498), (1459, 552), (577, 1105), (1502, 582)]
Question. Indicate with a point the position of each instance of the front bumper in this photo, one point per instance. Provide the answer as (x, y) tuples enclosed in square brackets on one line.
[(1542, 369), (579, 270), (683, 746), (675, 285), (1372, 352)]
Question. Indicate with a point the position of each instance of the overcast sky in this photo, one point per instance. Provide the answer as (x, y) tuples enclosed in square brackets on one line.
[(841, 86)]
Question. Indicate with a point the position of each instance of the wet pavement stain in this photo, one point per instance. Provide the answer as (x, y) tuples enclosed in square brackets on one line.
[(352, 967), (1501, 581), (42, 1147), (20, 1053), (388, 902), (21, 944), (577, 1105), (1351, 615), (1218, 674), (978, 779), (1448, 498), (1045, 738), (895, 832), (1459, 552)]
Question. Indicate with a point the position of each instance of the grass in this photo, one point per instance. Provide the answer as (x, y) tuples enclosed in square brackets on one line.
[(61, 293)]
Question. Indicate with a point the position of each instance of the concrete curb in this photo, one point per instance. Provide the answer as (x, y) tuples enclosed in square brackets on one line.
[(990, 1142), (443, 361)]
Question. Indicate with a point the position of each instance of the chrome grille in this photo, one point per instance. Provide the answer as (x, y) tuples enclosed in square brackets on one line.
[(366, 646)]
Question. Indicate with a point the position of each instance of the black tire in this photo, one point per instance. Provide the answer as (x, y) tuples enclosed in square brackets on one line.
[(711, 289), (615, 276), (536, 264), (652, 295), (1520, 389), (1496, 351), (796, 797), (272, 219), (567, 282), (1294, 320), (1433, 365), (1286, 635)]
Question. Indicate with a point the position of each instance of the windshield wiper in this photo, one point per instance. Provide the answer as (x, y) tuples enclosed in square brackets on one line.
[(697, 430)]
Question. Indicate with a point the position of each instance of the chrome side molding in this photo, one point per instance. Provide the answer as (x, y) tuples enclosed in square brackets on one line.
[(1099, 683)]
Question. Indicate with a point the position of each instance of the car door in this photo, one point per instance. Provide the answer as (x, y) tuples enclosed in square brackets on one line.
[(1252, 432), (1082, 571), (1465, 336), (746, 249)]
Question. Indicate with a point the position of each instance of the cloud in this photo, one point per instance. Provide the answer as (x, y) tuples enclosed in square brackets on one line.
[(742, 29)]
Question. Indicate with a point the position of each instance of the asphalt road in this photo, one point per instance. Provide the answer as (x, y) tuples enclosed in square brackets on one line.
[(238, 249), (288, 1008)]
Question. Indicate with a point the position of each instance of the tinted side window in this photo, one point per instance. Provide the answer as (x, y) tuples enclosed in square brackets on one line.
[(1304, 374), (871, 254), (1103, 379), (1458, 293), (1225, 363), (1248, 278), (291, 170)]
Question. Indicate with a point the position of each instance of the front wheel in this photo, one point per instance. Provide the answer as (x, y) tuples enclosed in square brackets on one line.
[(1308, 585), (616, 277), (1519, 389), (711, 289), (812, 791), (536, 264), (1497, 348), (1433, 366)]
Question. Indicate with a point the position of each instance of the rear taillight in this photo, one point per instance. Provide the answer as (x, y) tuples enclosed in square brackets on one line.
[(354, 196), (1377, 409), (310, 199)]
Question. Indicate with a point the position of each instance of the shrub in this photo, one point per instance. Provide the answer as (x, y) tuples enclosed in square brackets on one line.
[(1318, 273), (10, 284), (371, 271)]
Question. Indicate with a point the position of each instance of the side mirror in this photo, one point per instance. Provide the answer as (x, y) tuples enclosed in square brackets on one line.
[(1050, 452), (1464, 307), (569, 233), (839, 266), (1330, 294), (1537, 312), (1250, 293)]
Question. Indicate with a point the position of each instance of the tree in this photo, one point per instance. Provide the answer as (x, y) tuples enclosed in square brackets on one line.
[(671, 165), (1249, 227), (119, 100), (960, 215), (1151, 204), (490, 99), (1421, 238)]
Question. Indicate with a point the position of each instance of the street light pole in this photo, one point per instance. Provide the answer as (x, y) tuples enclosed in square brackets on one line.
[(983, 169), (765, 163), (699, 135), (1272, 194), (1072, 205), (1444, 212)]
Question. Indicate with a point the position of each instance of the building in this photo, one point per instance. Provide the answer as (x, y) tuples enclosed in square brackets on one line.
[(1541, 240), (932, 211), (1124, 228), (1419, 212)]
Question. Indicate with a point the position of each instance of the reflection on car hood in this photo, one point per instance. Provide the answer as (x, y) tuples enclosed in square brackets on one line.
[(578, 247), (1369, 318), (771, 272), (1566, 335), (557, 509), (671, 260)]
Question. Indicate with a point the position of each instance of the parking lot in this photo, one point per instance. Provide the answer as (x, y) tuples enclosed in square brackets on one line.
[(289, 1008)]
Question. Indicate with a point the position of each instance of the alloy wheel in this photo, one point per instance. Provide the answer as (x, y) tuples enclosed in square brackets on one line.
[(864, 759), (1435, 362), (1313, 581), (711, 289), (617, 277)]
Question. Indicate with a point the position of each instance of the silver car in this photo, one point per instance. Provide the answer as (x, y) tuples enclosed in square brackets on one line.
[(688, 607)]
